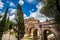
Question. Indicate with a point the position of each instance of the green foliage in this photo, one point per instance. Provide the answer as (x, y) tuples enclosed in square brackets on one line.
[(49, 8), (11, 24), (58, 5), (3, 21), (7, 25), (20, 22), (53, 38), (12, 33)]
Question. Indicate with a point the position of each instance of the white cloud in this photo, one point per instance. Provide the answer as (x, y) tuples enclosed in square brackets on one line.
[(11, 18), (1, 5), (37, 14), (0, 18), (31, 1), (12, 4), (25, 17), (21, 2), (12, 14), (12, 11), (2, 13)]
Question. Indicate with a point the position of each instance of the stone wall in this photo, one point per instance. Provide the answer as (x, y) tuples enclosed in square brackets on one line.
[(29, 24)]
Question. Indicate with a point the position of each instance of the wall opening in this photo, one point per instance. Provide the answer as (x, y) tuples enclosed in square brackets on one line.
[(48, 35)]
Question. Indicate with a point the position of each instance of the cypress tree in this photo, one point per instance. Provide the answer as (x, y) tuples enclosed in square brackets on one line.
[(2, 24), (7, 25), (20, 22)]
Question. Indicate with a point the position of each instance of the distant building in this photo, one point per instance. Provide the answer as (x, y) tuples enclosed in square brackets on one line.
[(29, 24)]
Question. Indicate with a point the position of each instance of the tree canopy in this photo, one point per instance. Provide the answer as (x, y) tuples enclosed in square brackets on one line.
[(49, 8), (52, 9)]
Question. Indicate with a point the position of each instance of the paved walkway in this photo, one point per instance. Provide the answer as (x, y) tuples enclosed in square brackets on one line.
[(8, 37), (12, 37)]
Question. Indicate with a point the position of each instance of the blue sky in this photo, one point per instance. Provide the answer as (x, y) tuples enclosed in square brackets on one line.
[(29, 5), (30, 8)]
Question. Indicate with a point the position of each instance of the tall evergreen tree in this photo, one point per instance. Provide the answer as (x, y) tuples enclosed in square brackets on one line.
[(20, 22), (7, 25), (2, 23)]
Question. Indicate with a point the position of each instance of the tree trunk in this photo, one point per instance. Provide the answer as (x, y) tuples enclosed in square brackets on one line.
[(1, 33), (19, 37)]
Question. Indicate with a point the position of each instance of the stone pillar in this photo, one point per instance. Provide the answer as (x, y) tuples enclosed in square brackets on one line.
[(35, 34), (29, 32), (41, 36), (41, 33), (58, 36)]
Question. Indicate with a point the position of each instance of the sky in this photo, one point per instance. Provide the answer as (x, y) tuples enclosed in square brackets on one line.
[(27, 5), (30, 8)]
